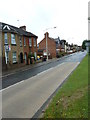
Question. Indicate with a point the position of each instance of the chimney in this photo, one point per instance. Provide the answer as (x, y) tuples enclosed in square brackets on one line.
[(46, 34), (23, 27)]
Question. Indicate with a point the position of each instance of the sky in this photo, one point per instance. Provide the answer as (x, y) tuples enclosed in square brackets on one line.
[(70, 17)]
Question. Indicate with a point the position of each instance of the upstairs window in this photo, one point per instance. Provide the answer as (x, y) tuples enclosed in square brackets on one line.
[(13, 39), (24, 42), (20, 39), (30, 42), (34, 42), (5, 38)]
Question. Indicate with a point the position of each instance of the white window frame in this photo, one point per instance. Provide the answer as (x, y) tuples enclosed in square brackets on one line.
[(14, 56), (34, 42), (5, 38), (30, 42), (13, 39)]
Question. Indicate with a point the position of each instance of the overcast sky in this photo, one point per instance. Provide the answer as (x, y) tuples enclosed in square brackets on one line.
[(69, 16)]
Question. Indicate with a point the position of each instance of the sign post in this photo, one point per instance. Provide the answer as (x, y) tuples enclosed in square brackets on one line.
[(7, 49)]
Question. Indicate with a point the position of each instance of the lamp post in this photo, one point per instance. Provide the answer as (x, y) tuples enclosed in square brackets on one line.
[(46, 47), (47, 41)]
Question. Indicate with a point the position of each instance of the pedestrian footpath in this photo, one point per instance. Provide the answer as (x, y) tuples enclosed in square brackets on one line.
[(26, 67)]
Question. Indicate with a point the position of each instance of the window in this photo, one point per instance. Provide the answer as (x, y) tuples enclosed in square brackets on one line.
[(24, 42), (5, 38), (14, 57), (30, 42), (20, 38), (34, 42), (13, 39)]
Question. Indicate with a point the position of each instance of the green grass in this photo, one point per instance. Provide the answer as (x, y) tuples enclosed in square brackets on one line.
[(71, 101)]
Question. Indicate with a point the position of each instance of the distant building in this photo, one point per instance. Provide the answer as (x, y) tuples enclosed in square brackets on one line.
[(58, 45), (51, 46), (63, 45)]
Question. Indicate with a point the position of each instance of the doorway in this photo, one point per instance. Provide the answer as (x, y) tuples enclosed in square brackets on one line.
[(21, 57)]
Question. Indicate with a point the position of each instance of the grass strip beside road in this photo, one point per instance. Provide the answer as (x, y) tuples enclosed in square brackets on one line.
[(71, 101)]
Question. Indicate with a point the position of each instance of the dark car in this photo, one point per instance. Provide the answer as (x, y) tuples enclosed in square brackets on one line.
[(82, 50)]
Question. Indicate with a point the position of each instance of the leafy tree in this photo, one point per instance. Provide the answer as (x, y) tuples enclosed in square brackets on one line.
[(83, 44)]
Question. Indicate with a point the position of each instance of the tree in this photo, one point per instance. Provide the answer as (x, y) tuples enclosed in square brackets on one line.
[(83, 44)]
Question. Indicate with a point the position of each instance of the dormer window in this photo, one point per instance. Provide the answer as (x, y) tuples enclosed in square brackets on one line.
[(6, 27), (13, 39)]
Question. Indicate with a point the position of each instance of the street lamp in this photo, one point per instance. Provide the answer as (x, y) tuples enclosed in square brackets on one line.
[(47, 41)]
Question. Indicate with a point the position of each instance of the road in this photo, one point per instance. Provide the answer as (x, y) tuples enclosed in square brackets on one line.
[(24, 75), (24, 99)]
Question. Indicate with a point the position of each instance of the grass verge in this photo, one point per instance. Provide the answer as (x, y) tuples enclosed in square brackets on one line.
[(71, 101)]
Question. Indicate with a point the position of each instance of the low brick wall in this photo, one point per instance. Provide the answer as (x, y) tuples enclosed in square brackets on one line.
[(12, 66)]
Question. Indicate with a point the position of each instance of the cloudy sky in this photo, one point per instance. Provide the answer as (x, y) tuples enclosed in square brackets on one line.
[(69, 16)]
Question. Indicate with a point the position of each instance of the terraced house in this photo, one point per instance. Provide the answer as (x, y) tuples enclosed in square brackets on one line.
[(17, 43)]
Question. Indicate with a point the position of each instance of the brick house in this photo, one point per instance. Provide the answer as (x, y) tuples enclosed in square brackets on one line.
[(51, 46), (58, 45), (15, 45)]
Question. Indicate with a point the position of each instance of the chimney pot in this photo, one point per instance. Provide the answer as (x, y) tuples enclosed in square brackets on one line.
[(23, 27), (46, 34)]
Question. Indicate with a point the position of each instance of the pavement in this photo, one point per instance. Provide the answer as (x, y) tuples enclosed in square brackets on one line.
[(26, 67)]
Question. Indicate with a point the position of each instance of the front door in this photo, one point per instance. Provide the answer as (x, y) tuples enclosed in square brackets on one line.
[(21, 57)]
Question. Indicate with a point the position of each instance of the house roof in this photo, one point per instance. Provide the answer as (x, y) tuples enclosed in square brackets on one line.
[(13, 29)]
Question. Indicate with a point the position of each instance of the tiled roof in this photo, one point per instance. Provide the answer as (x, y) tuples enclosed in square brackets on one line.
[(13, 29)]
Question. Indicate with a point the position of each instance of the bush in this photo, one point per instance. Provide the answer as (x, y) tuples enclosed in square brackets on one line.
[(61, 54), (31, 55)]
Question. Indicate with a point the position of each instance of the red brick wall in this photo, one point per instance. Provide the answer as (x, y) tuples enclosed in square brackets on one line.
[(28, 49), (51, 46), (33, 48)]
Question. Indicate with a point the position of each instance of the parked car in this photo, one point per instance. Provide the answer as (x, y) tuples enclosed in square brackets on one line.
[(82, 50)]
